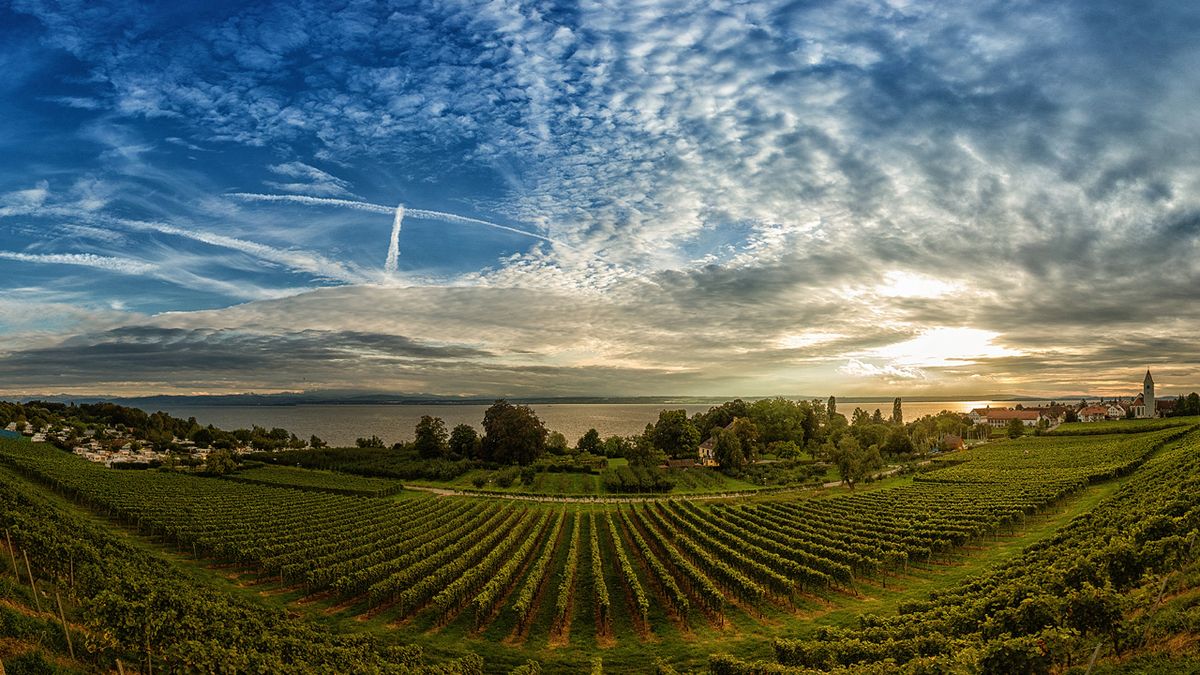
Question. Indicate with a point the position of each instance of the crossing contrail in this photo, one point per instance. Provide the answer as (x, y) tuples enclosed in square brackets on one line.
[(420, 214), (393, 256)]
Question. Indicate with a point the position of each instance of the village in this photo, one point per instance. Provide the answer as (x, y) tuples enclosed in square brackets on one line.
[(112, 446), (1144, 405)]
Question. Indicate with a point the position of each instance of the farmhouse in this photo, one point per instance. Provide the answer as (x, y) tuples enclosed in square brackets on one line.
[(1000, 417)]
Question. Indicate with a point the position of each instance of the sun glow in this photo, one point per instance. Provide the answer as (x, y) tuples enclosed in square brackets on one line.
[(942, 347)]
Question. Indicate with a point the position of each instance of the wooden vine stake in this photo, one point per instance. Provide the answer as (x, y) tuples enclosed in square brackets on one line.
[(32, 584), (62, 616)]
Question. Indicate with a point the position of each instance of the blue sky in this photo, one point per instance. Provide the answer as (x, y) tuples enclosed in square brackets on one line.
[(599, 198)]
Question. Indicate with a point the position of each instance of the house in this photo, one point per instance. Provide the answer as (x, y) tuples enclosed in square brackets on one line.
[(1165, 407), (1000, 417), (951, 442), (979, 415), (707, 452), (1093, 413), (708, 449), (1116, 411)]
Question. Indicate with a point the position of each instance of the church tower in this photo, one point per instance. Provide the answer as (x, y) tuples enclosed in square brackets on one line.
[(1148, 396)]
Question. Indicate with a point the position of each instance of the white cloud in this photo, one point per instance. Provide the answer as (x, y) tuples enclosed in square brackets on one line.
[(25, 201), (886, 373), (312, 180)]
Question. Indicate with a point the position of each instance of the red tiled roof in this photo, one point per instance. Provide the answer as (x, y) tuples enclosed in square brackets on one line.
[(1008, 414)]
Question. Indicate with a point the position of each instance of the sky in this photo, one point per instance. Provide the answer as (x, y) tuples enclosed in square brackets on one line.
[(599, 197)]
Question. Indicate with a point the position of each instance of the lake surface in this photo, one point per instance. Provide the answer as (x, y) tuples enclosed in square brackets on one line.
[(340, 425)]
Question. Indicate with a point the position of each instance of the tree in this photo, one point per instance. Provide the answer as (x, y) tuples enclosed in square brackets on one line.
[(897, 442), (897, 413), (831, 407), (432, 439), (727, 450), (746, 432), (641, 451), (557, 444), (720, 416), (464, 441), (1015, 428), (618, 446), (675, 434), (590, 443), (203, 438), (513, 434), (220, 463), (859, 417), (784, 450), (372, 442), (853, 461), (314, 441), (779, 419)]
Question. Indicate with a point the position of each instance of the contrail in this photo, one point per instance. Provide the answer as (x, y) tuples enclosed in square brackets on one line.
[(393, 256), (123, 265), (421, 214), (312, 201), (298, 260)]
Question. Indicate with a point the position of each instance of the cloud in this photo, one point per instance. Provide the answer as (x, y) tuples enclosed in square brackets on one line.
[(24, 201), (743, 197), (311, 180), (297, 260), (891, 373)]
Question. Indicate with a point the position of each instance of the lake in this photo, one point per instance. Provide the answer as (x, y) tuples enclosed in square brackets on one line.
[(339, 425)]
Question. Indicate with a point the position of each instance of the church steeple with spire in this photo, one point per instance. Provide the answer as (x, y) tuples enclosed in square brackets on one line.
[(1149, 409)]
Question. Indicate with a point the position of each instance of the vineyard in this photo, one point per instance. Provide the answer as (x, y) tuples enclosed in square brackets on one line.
[(535, 577), (317, 481)]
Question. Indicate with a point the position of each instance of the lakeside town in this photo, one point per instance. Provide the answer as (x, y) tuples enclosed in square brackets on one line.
[(122, 446)]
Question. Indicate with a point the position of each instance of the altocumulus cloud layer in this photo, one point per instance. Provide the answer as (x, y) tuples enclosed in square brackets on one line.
[(726, 197)]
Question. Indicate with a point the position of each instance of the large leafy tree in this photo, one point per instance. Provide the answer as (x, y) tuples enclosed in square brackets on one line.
[(513, 434), (854, 461), (748, 437), (591, 443), (675, 434), (779, 420), (464, 441), (720, 416), (727, 450), (432, 437)]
